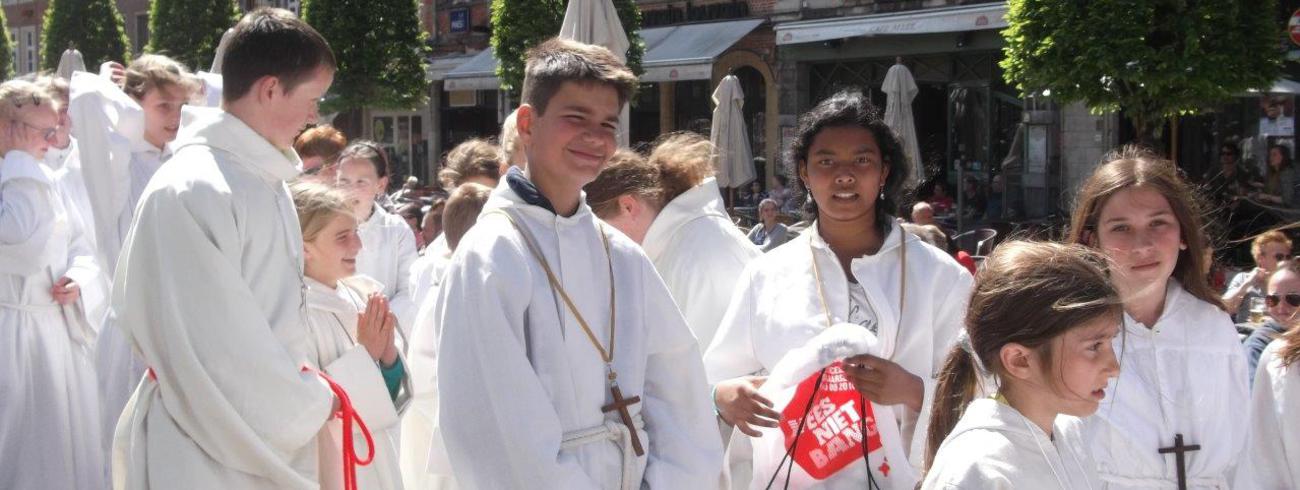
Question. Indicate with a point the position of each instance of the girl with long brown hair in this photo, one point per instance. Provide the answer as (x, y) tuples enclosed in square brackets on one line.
[(1275, 447), (1040, 322), (1173, 416)]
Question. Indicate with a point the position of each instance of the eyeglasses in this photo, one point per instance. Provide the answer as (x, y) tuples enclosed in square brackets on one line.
[(47, 134), (1273, 300)]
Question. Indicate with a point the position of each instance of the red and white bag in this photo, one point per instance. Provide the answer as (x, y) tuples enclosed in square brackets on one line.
[(809, 387)]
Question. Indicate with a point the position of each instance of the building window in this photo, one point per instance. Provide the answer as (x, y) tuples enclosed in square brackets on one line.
[(141, 31), (29, 46)]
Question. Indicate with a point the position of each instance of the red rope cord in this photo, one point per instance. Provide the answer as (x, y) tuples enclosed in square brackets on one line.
[(349, 416)]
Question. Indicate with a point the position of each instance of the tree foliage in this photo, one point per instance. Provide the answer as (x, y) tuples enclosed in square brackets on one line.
[(1152, 58), (381, 51), (94, 27), (189, 31), (518, 25), (6, 49)]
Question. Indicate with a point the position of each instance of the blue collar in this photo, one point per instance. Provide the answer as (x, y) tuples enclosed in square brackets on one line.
[(527, 191)]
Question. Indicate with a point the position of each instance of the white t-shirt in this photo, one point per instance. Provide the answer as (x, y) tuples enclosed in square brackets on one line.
[(860, 310)]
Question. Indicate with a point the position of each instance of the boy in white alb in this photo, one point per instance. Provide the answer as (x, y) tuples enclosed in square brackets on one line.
[(562, 360)]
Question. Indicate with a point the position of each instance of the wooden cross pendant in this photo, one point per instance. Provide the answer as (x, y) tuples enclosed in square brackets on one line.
[(1179, 450), (621, 405)]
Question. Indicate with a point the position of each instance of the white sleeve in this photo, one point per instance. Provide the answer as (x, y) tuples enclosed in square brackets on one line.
[(356, 372), (1267, 457), (104, 122), (731, 355), (402, 303), (684, 450), (26, 217), (948, 323), (499, 427)]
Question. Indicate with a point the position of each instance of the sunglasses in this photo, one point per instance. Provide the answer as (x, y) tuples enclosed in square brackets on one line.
[(1273, 300)]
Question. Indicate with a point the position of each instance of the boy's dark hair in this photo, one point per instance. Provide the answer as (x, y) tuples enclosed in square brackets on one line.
[(271, 42), (556, 61)]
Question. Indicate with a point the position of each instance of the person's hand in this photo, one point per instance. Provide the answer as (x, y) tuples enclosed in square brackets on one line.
[(375, 326), (1258, 278), (884, 382), (740, 405), (390, 352), (114, 71), (65, 291)]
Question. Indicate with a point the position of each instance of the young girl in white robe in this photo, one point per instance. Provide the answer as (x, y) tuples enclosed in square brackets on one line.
[(1040, 324), (388, 243), (49, 431), (854, 264), (1183, 372), (1275, 445), (351, 329), (124, 120)]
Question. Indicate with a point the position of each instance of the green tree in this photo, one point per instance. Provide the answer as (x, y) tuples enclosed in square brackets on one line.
[(6, 49), (94, 27), (1154, 59), (189, 31), (518, 25), (382, 53)]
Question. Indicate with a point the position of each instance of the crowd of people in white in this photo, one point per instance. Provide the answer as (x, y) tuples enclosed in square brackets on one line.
[(197, 296)]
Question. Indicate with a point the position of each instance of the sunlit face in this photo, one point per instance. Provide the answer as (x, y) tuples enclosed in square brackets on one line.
[(767, 212), (844, 172), (1083, 364), (575, 137), (1283, 284), (292, 111), (63, 137), (359, 178), (1270, 254), (162, 113), (332, 254), (33, 129), (1139, 232)]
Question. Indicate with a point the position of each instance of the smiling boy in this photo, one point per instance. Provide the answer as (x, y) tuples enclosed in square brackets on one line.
[(564, 362)]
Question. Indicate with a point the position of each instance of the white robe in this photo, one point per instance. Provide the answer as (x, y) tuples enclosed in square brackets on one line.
[(994, 447), (1185, 375), (332, 318), (426, 274), (108, 126), (419, 419), (387, 252), (49, 434), (776, 308), (1275, 441), (118, 163), (517, 375), (210, 293), (65, 166), (700, 254)]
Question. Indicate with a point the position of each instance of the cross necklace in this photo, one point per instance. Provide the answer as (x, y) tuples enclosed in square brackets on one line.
[(619, 404)]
